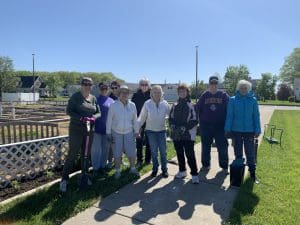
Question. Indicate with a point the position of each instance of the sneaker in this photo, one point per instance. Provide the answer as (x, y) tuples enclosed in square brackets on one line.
[(134, 172), (255, 179), (195, 179), (63, 186), (154, 174), (117, 174), (165, 174), (205, 169), (180, 174)]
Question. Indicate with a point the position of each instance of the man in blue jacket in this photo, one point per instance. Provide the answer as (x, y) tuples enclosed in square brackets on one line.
[(243, 122)]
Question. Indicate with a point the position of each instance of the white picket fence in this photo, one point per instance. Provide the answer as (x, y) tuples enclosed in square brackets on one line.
[(29, 158)]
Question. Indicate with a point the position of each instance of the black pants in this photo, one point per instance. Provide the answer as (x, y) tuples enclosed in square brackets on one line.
[(77, 140), (186, 147), (139, 147)]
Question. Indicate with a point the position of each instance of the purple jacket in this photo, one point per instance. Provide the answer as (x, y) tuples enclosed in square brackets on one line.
[(104, 103), (212, 108)]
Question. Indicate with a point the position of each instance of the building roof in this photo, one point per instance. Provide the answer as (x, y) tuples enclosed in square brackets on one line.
[(27, 82)]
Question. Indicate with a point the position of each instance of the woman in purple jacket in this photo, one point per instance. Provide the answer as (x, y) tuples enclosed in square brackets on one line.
[(99, 151)]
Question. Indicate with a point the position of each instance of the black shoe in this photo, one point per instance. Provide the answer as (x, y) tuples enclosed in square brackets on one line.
[(165, 174), (154, 173), (139, 163)]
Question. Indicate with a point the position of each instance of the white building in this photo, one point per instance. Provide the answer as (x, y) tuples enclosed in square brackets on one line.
[(296, 88)]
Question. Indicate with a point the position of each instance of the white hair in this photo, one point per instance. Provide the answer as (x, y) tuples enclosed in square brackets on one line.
[(144, 80), (244, 83)]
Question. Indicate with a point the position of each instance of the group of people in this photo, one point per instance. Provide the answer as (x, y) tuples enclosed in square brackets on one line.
[(120, 125)]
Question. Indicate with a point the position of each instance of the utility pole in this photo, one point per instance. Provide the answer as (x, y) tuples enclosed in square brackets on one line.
[(196, 70), (33, 89)]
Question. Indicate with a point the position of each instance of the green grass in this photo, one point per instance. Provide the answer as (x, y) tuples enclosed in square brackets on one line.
[(277, 102), (276, 200), (49, 207)]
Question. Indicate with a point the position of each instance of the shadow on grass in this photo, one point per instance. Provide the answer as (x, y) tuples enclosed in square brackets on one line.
[(50, 207), (244, 203)]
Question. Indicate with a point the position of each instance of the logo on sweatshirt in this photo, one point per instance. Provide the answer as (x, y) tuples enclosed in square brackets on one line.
[(213, 107)]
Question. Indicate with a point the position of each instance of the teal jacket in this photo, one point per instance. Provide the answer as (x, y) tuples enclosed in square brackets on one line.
[(243, 114)]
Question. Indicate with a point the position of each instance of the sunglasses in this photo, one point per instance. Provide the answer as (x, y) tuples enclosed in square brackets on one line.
[(104, 88), (86, 84), (144, 85), (114, 88)]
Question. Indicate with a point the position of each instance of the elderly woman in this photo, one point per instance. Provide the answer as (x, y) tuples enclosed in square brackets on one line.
[(100, 147), (122, 129), (139, 98), (154, 113), (82, 109), (243, 122), (183, 123)]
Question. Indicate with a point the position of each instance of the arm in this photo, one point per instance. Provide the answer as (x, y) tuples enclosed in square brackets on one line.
[(109, 120), (229, 115), (71, 109), (193, 118), (143, 116), (98, 112), (256, 117), (135, 123)]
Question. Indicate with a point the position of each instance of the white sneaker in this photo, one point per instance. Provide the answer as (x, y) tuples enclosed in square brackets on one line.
[(63, 186), (134, 172), (180, 174), (195, 179), (117, 174)]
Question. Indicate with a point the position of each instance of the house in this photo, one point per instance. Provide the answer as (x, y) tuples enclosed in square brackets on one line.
[(26, 85), (296, 88)]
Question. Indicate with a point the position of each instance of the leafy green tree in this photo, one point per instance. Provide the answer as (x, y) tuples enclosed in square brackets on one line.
[(291, 67), (53, 83), (201, 88), (266, 86), (233, 75), (8, 80), (284, 92)]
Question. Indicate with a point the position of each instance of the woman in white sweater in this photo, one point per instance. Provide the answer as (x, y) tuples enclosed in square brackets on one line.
[(122, 129), (154, 113)]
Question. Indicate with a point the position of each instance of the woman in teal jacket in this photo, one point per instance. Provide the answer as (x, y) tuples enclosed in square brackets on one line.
[(243, 122)]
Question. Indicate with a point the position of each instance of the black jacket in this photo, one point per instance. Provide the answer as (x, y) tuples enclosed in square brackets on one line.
[(139, 99)]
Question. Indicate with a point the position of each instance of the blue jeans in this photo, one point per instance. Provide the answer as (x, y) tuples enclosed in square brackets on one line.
[(157, 141), (99, 151), (208, 133), (246, 140)]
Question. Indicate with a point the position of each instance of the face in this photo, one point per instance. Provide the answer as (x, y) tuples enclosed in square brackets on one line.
[(156, 95), (86, 86), (144, 86), (114, 89), (182, 93), (103, 91), (124, 94), (243, 90), (213, 86)]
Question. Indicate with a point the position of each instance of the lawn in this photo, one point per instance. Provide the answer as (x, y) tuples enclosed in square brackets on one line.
[(49, 207), (277, 102), (276, 200)]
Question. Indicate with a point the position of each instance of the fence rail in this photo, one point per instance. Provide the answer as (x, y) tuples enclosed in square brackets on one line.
[(16, 131), (29, 158)]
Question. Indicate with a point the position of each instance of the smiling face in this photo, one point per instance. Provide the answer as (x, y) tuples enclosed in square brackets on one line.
[(182, 93), (144, 86), (123, 96), (86, 87), (156, 94), (103, 90), (243, 89)]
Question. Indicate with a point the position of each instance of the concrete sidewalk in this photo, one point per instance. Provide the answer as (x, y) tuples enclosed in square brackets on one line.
[(169, 201)]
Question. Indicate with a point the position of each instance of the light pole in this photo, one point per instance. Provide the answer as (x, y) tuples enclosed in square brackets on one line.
[(33, 90), (196, 70)]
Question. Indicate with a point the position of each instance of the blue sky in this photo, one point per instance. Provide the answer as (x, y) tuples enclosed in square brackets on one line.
[(153, 38)]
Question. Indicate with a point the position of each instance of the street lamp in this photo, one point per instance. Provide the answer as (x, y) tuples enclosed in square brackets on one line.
[(196, 70), (33, 90)]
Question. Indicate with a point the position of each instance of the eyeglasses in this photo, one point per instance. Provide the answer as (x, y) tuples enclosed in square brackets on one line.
[(114, 88), (213, 82), (144, 85), (86, 84), (104, 89)]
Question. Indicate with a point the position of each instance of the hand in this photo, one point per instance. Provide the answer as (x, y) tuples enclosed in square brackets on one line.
[(109, 137), (88, 119), (137, 135)]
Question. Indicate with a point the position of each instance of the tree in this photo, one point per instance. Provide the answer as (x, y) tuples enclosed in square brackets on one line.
[(266, 86), (8, 80), (53, 83), (291, 67), (284, 92), (233, 75), (201, 88)]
